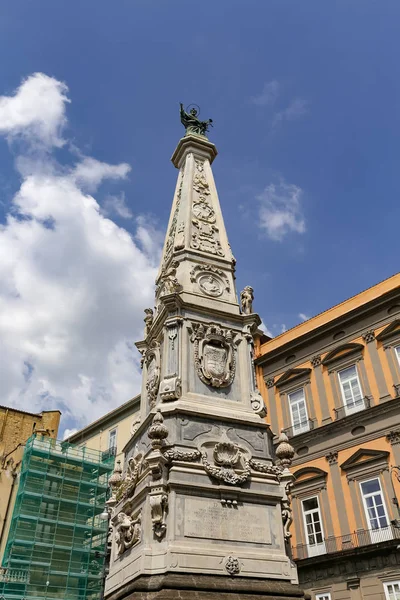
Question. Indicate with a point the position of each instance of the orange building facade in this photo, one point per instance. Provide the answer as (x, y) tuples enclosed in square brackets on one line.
[(332, 384)]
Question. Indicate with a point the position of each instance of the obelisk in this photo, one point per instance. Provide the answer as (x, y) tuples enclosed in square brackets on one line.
[(201, 509)]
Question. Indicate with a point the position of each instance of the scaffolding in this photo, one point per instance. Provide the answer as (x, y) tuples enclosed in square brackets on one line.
[(57, 542)]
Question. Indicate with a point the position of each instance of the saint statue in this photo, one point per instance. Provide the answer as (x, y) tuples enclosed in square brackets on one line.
[(192, 123), (246, 299)]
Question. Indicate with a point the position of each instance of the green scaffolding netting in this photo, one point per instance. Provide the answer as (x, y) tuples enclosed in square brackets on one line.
[(56, 544)]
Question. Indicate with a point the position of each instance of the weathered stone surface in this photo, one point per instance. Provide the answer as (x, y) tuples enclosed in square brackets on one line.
[(210, 499), (203, 587)]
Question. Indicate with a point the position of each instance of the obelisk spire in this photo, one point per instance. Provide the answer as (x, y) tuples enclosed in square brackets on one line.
[(197, 258)]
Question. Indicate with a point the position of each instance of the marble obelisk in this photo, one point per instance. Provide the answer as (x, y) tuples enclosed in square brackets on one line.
[(201, 509)]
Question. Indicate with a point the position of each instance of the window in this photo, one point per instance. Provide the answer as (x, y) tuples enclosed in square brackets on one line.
[(112, 439), (397, 349), (325, 596), (392, 590), (351, 390), (375, 510), (298, 411), (313, 527)]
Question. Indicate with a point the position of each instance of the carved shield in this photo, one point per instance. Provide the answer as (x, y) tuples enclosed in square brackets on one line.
[(214, 361)]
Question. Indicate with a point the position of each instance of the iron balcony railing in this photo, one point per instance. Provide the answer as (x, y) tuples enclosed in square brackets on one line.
[(112, 451), (358, 539), (299, 428), (345, 411)]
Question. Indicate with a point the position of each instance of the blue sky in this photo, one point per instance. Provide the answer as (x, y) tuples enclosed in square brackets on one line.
[(305, 98)]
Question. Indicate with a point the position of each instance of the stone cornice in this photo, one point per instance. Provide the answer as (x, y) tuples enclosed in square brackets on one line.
[(199, 145), (293, 346), (304, 439)]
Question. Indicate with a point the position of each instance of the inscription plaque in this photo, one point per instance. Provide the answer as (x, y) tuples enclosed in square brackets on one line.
[(209, 519)]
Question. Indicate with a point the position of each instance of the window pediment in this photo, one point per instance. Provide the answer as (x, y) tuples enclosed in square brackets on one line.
[(343, 351), (390, 331), (292, 375), (309, 480), (365, 456), (308, 474)]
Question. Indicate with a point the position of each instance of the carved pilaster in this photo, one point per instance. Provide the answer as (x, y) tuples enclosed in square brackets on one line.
[(171, 385), (270, 382)]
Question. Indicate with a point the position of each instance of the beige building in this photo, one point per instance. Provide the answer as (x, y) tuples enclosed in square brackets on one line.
[(111, 432), (16, 426)]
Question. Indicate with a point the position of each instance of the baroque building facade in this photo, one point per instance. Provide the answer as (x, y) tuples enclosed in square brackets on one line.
[(200, 509), (332, 384)]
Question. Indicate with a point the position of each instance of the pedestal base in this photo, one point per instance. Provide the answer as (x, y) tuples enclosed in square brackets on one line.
[(174, 586)]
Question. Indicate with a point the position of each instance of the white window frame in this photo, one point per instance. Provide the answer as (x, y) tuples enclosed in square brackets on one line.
[(386, 585), (300, 427), (325, 596), (110, 434), (397, 352), (351, 409), (318, 548), (379, 534)]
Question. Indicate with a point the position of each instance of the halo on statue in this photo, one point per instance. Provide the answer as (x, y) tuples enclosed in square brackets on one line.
[(196, 106)]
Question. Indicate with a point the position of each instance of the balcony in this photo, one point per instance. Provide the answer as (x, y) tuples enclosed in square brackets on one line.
[(358, 539), (345, 411), (112, 451), (302, 427)]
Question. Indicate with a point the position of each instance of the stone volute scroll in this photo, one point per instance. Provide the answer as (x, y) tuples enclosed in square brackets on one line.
[(214, 354)]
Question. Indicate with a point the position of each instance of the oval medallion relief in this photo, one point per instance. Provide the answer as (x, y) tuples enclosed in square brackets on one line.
[(210, 284)]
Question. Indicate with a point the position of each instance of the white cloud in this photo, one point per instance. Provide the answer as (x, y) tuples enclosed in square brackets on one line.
[(280, 210), (303, 317), (283, 328), (268, 95), (69, 432), (296, 109), (73, 286), (116, 205), (90, 172), (265, 329), (36, 111)]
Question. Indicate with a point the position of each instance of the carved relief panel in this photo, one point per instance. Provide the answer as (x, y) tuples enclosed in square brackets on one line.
[(205, 233), (214, 354)]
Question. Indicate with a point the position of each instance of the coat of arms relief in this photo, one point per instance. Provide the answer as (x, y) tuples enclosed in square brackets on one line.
[(214, 354)]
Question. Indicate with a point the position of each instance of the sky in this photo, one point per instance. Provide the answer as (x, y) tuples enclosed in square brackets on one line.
[(305, 99)]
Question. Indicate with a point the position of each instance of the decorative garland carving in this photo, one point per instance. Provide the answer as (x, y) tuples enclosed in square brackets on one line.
[(176, 454), (228, 458), (256, 465), (214, 354)]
